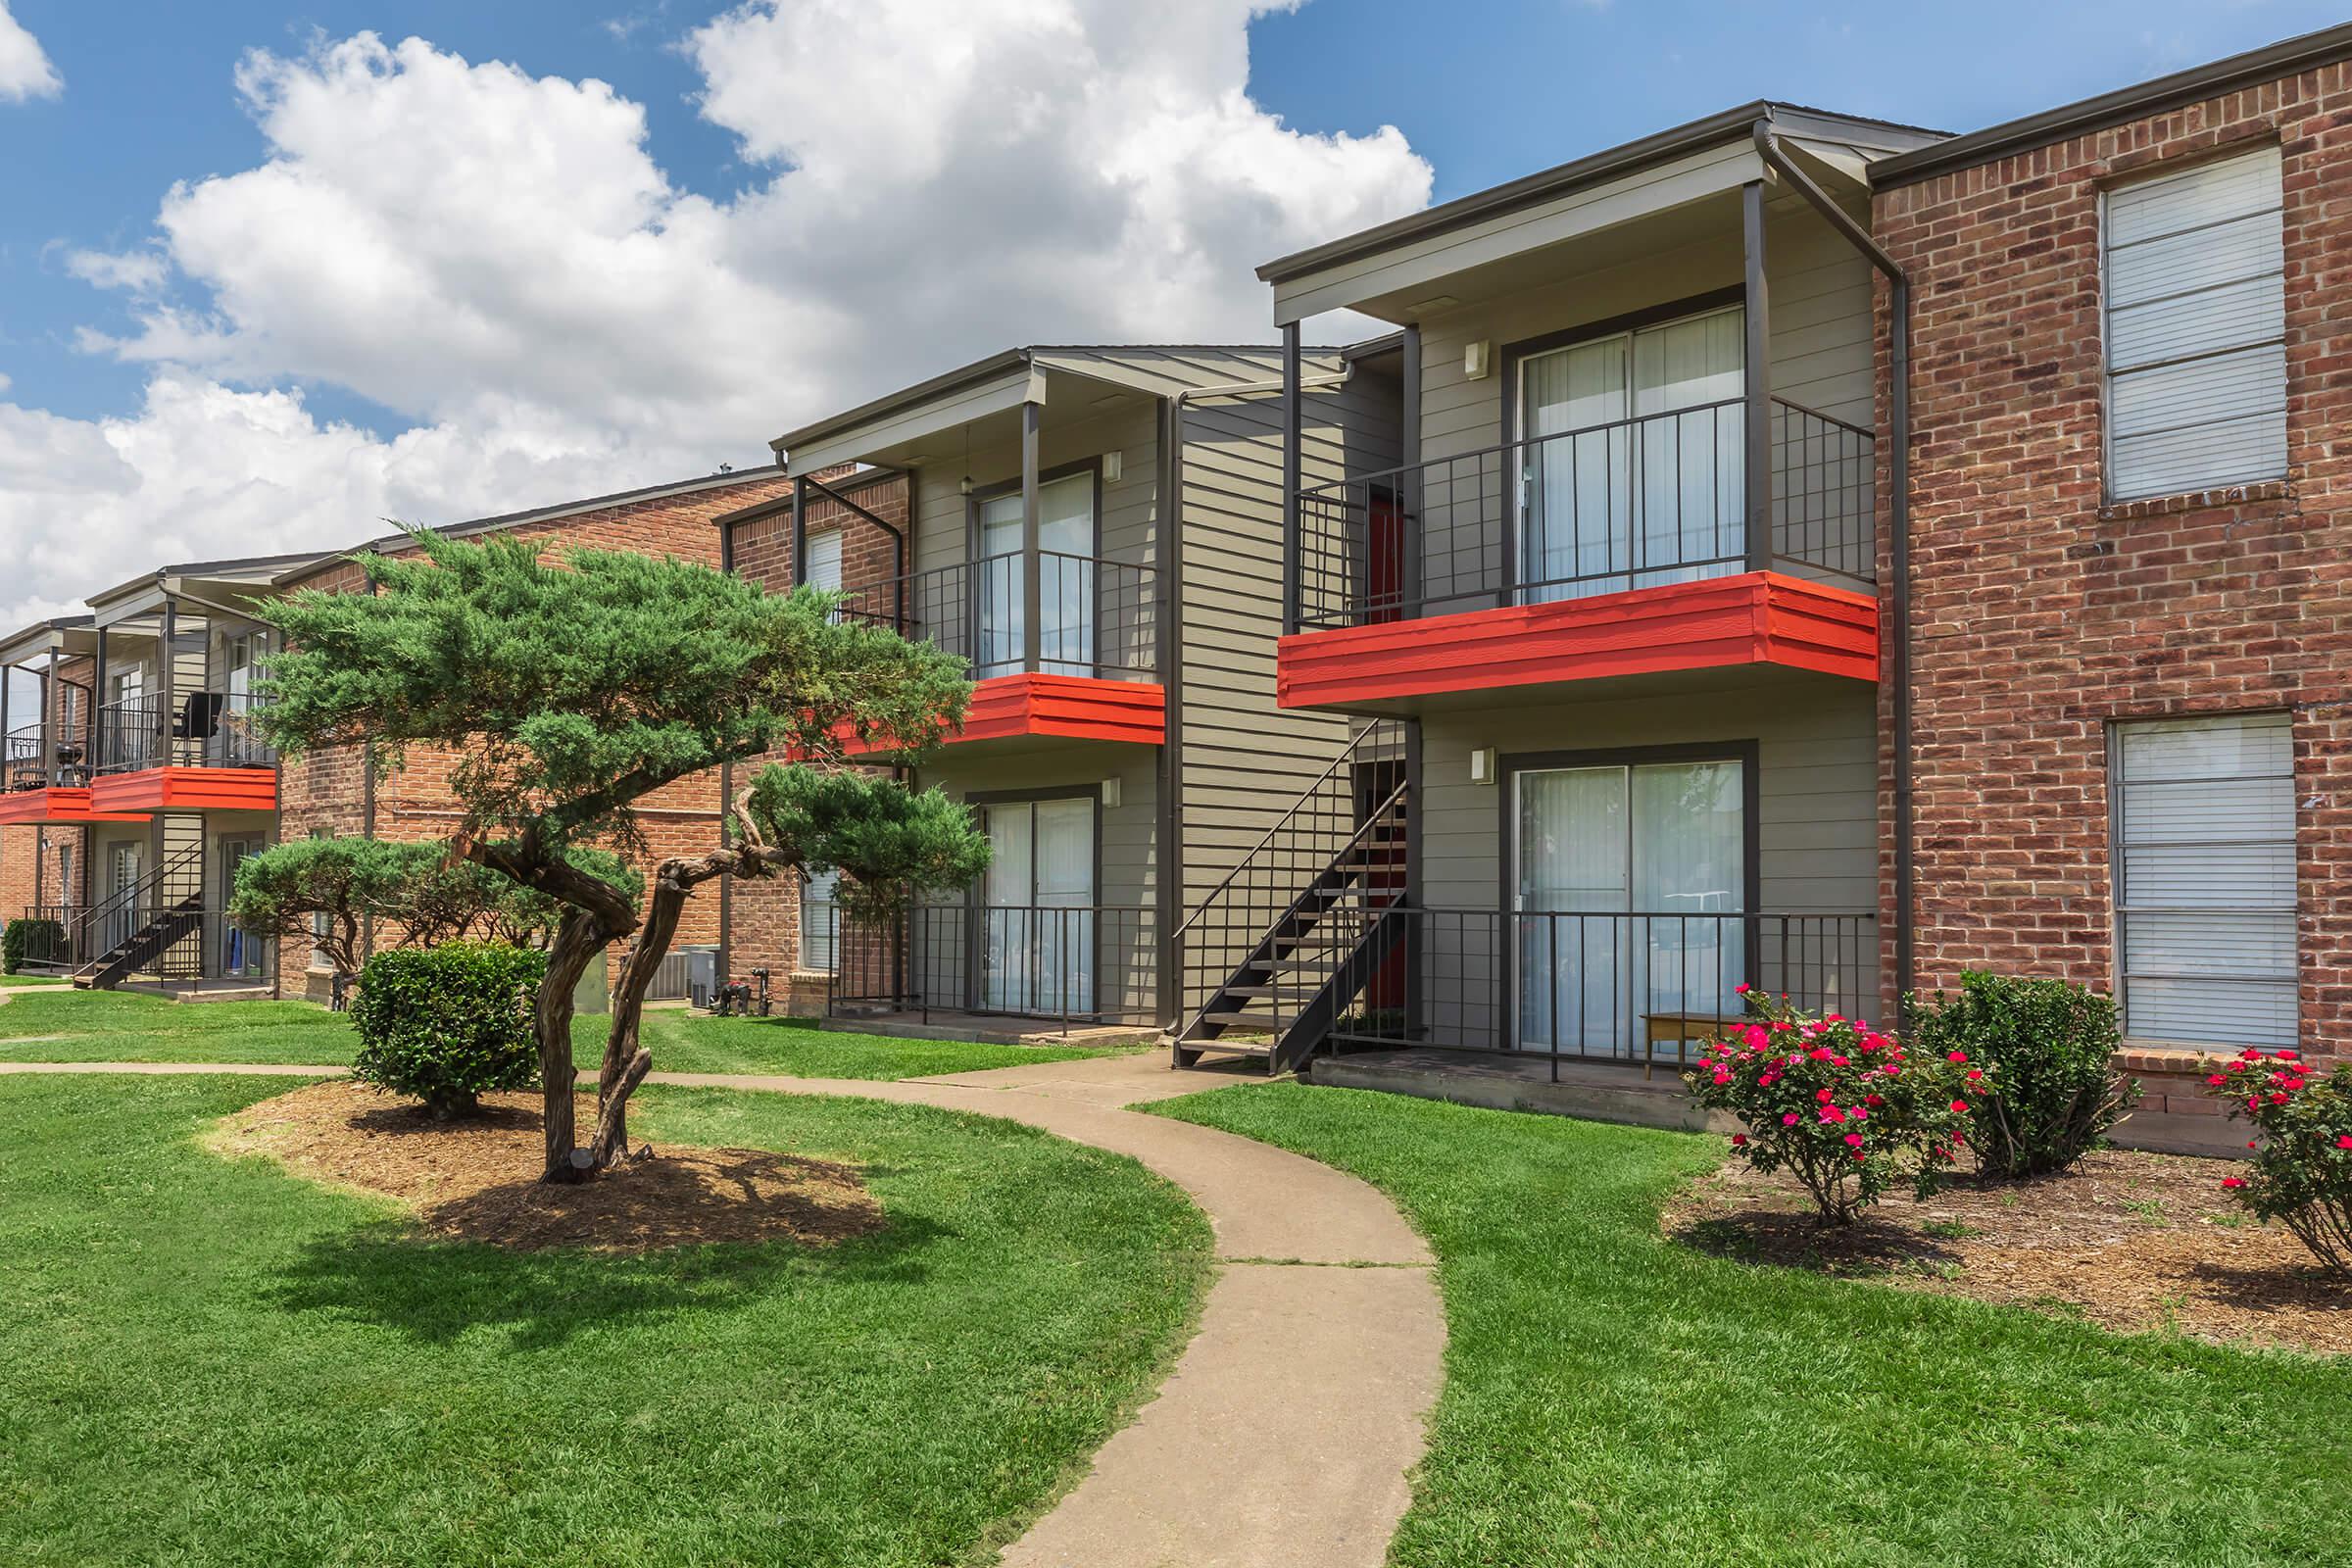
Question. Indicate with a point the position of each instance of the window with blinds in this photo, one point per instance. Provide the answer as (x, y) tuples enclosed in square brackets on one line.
[(825, 560), (821, 923), (2196, 329), (2205, 878)]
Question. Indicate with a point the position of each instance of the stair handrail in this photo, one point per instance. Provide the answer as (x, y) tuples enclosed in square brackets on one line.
[(1383, 815), (133, 893), (1242, 864)]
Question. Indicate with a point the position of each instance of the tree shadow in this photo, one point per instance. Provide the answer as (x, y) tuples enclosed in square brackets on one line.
[(392, 1274), (1792, 1239), (2305, 1290)]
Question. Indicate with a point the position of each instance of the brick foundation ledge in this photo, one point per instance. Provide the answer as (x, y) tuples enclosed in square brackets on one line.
[(2176, 1115)]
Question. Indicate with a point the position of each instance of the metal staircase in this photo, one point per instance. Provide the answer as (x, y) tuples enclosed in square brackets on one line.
[(152, 921), (1310, 923)]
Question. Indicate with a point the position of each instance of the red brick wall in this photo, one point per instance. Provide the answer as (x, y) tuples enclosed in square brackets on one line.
[(764, 917), (2039, 616)]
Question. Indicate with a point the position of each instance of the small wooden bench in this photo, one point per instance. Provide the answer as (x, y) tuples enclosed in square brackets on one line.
[(1682, 1028)]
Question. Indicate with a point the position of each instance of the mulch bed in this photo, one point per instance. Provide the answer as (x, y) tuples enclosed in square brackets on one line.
[(2127, 1240), (475, 1179)]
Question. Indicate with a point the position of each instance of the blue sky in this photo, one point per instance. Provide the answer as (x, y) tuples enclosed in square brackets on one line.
[(1493, 92), (266, 282)]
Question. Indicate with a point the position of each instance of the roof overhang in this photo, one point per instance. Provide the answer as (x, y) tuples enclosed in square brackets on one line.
[(1384, 272), (71, 634), (892, 431)]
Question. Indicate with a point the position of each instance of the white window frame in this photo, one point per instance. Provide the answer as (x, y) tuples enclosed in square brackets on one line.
[(2115, 494), (2123, 906)]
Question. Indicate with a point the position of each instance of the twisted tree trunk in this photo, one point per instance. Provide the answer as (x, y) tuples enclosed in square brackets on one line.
[(626, 1060), (595, 915)]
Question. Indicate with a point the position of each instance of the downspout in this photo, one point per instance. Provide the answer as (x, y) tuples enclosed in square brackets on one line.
[(1898, 331)]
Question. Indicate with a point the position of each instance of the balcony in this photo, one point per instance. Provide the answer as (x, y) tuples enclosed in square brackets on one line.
[(1059, 646), (1627, 548), (45, 777), (198, 753)]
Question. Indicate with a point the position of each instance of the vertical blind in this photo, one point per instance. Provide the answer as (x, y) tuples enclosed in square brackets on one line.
[(2197, 325), (2206, 879)]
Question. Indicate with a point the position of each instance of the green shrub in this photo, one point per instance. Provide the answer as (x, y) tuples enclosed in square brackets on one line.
[(30, 937), (2301, 1172), (2056, 1091), (1836, 1104), (446, 1024)]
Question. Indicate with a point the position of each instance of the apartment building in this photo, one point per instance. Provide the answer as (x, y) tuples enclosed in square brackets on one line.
[(1827, 554), (131, 797), (1097, 529)]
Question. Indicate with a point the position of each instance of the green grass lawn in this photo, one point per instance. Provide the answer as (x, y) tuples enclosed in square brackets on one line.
[(1612, 1398), (8, 981), (128, 1026), (205, 1362)]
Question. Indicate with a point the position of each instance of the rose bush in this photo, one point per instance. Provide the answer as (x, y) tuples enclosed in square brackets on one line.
[(1836, 1103), (2301, 1171)]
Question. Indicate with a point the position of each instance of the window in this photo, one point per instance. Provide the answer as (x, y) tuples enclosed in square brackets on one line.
[(2196, 329), (825, 560), (820, 933), (1634, 473), (2205, 880)]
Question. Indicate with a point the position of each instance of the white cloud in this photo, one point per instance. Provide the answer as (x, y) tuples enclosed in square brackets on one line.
[(500, 259), (25, 68)]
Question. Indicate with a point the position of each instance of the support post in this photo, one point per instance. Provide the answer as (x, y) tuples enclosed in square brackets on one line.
[(1294, 421), (799, 531), (1409, 493), (167, 680), (1758, 407), (98, 705), (1032, 586)]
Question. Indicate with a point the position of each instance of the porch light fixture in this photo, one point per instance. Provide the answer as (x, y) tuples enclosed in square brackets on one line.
[(963, 485), (1482, 765), (1476, 359), (1110, 794), (1112, 466)]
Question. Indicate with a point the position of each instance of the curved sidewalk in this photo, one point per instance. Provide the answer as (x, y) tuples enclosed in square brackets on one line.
[(1283, 1437)]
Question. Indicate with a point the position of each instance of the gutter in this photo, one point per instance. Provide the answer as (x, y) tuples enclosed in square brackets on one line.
[(1906, 870)]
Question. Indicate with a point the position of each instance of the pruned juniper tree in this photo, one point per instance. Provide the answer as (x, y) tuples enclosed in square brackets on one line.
[(325, 892), (571, 693)]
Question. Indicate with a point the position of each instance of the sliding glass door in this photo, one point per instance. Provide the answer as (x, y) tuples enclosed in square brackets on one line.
[(1623, 875), (1065, 572), (1037, 919), (1635, 469)]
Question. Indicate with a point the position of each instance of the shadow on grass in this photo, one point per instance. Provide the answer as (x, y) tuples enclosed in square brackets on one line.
[(1799, 1239), (390, 1274)]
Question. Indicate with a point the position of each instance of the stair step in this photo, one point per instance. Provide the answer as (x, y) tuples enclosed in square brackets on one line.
[(1228, 1048)]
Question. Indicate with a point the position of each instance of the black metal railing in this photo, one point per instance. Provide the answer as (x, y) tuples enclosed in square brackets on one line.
[(1272, 925), (1094, 617), (51, 934), (199, 729), (39, 756), (1071, 966), (1633, 503), (1592, 985), (180, 943)]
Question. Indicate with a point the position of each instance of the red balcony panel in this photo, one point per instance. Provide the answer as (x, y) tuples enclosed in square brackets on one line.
[(26, 807), (187, 789), (1759, 617), (1076, 707)]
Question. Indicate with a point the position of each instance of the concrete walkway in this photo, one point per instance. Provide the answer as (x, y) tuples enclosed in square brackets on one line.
[(1283, 1437)]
